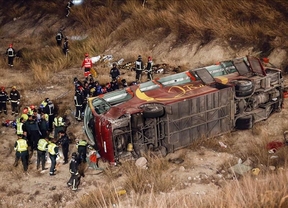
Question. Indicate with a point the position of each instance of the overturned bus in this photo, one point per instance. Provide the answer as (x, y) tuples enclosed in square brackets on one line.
[(169, 113)]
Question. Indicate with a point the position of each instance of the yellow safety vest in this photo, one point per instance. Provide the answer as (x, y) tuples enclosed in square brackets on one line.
[(19, 128), (42, 143), (51, 148), (82, 143), (44, 103), (21, 145), (46, 116), (58, 121), (24, 116)]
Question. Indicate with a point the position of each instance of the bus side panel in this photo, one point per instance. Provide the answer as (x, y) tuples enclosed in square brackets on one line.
[(200, 117)]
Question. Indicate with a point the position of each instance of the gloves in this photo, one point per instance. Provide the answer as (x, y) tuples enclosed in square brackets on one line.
[(18, 103)]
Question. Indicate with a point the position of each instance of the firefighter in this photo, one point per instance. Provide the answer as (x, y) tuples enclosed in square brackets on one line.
[(15, 100), (139, 66), (10, 52), (74, 180), (149, 69), (114, 72), (66, 46), (21, 148), (3, 100), (68, 7), (87, 64), (82, 146), (42, 148), (49, 109), (64, 141), (59, 37), (78, 100), (53, 152), (44, 125), (59, 125)]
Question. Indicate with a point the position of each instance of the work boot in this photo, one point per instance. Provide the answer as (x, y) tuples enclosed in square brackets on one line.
[(12, 113), (5, 112)]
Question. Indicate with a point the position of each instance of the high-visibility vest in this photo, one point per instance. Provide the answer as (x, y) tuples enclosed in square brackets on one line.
[(21, 145), (87, 63), (42, 143), (24, 116), (44, 103), (82, 143), (19, 129), (58, 121), (51, 148), (139, 65)]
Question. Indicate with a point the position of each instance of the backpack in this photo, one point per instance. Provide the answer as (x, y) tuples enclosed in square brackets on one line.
[(59, 36)]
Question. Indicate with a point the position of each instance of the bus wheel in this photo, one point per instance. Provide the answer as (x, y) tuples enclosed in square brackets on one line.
[(121, 140), (153, 111), (245, 122), (243, 88)]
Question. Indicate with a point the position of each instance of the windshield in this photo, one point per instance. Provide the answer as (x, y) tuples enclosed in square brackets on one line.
[(100, 106)]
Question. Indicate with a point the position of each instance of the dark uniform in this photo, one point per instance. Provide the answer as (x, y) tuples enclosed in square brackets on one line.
[(82, 149), (21, 148), (68, 7), (139, 67), (59, 125), (11, 54), (114, 72), (3, 100), (78, 100), (15, 100), (49, 110), (64, 141), (149, 69), (41, 152), (74, 180), (59, 37), (53, 152), (66, 46)]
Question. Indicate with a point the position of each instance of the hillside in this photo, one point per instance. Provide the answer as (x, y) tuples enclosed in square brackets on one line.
[(179, 34)]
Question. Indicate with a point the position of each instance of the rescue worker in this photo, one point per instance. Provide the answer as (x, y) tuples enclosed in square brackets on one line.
[(10, 52), (114, 85), (19, 126), (21, 148), (139, 67), (33, 134), (3, 100), (42, 148), (44, 125), (78, 100), (59, 125), (64, 141), (15, 100), (77, 83), (53, 152), (74, 180), (149, 69), (49, 110), (114, 72), (87, 64), (82, 146), (59, 37), (25, 114), (68, 7), (65, 46)]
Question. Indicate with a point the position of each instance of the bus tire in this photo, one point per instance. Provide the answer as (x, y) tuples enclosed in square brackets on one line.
[(245, 122), (243, 87), (153, 111), (121, 140)]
